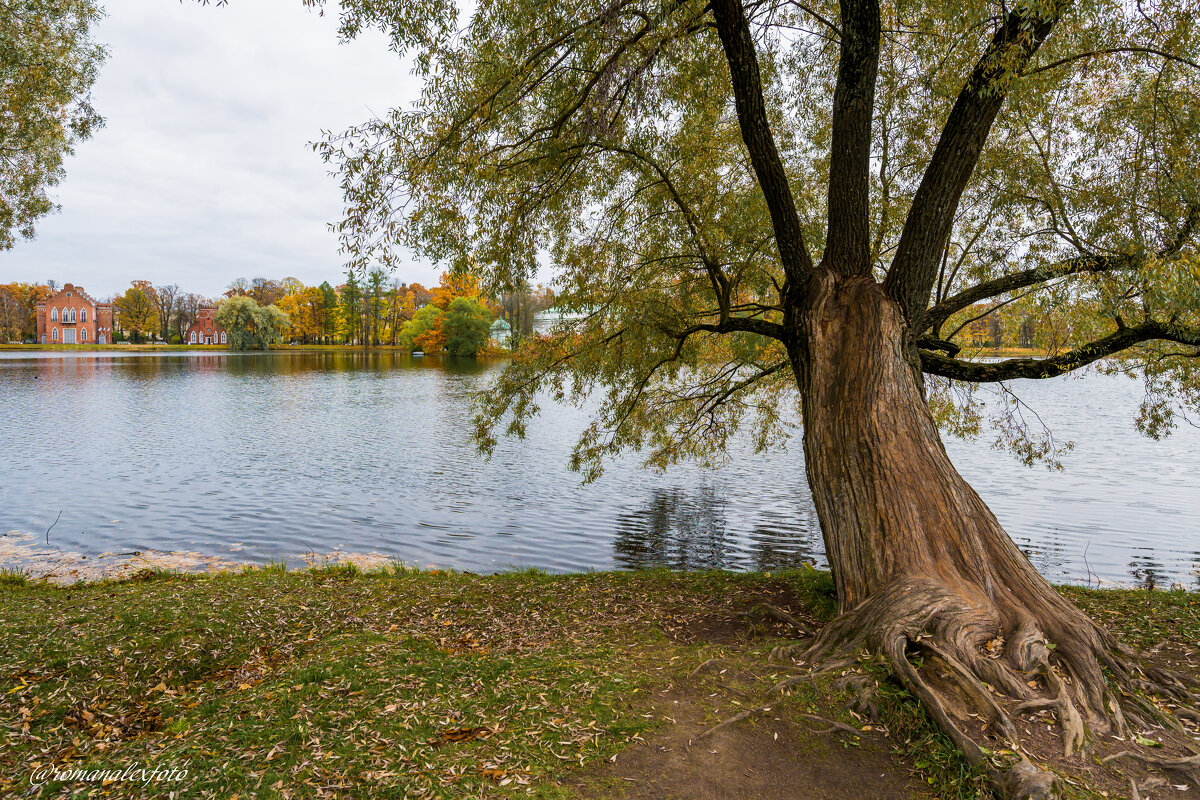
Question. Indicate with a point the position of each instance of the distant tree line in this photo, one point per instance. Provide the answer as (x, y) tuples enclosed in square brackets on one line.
[(365, 310)]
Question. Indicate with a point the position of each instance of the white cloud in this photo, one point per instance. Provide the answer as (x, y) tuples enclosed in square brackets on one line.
[(203, 173)]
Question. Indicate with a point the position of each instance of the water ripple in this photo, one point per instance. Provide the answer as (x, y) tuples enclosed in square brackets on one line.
[(271, 456)]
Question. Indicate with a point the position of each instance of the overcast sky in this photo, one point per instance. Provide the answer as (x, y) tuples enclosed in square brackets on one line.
[(203, 173)]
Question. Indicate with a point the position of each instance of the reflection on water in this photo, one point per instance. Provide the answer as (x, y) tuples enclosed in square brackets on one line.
[(270, 456), (1146, 571), (688, 530)]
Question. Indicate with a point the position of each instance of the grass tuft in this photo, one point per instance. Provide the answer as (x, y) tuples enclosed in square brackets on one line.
[(11, 576)]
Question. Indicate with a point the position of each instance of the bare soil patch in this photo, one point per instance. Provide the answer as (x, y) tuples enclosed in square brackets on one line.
[(775, 755)]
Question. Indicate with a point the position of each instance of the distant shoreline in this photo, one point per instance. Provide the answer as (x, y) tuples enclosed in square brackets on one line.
[(971, 352)]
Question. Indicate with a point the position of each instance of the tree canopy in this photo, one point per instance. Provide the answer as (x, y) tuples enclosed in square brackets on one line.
[(137, 309), (685, 166), (251, 326), (466, 325), (48, 63)]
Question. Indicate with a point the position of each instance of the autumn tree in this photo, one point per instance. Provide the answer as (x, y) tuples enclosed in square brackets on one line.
[(266, 291), (451, 286), (466, 326), (758, 205), (137, 309), (424, 331), (329, 311), (373, 304), (165, 299), (239, 287), (306, 310), (399, 309), (18, 309), (48, 63), (350, 299), (12, 315), (251, 326), (421, 295), (187, 311), (305, 307), (520, 304)]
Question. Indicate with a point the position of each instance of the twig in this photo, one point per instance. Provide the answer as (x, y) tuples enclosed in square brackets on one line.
[(56, 519), (735, 718), (1089, 566)]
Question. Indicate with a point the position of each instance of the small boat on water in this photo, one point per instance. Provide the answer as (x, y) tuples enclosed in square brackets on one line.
[(417, 353)]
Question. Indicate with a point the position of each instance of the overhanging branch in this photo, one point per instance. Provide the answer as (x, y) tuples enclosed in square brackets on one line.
[(1124, 338), (938, 314), (762, 327)]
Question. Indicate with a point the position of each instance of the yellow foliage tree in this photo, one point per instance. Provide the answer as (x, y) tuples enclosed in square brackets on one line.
[(452, 286)]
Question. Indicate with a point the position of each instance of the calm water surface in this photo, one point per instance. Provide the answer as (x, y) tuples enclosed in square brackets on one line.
[(261, 457)]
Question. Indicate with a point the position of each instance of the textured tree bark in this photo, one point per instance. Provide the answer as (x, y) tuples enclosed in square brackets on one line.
[(923, 567)]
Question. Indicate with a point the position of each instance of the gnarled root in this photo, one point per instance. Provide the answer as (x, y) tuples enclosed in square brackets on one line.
[(977, 664)]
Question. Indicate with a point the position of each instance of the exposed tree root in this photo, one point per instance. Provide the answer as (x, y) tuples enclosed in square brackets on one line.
[(725, 723), (752, 712), (804, 631), (834, 725), (707, 665), (1181, 770), (977, 664)]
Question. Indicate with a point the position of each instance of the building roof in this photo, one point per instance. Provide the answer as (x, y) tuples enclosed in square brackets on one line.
[(75, 290)]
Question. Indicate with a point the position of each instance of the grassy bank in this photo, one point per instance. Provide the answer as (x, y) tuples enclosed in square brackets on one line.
[(336, 683)]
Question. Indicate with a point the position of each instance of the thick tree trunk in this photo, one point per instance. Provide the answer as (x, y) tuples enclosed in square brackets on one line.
[(890, 502), (923, 567)]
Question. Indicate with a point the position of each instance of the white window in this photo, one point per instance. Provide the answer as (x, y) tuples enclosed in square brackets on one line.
[(222, 337), (83, 334), (55, 332), (83, 315), (54, 315), (193, 337)]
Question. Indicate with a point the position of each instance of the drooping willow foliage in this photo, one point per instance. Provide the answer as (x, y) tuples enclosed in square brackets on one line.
[(599, 143)]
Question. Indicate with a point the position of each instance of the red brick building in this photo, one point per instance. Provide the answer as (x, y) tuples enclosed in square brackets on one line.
[(205, 329), (72, 317)]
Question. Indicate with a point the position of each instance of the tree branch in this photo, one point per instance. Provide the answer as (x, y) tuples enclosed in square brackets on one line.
[(976, 372), (848, 248), (936, 316), (931, 217), (762, 327), (1110, 51), (734, 31), (1185, 232)]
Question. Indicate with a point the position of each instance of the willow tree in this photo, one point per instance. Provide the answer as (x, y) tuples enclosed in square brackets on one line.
[(759, 205)]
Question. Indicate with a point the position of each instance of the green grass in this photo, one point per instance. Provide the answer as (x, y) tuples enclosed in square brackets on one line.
[(334, 677), (13, 577), (273, 683)]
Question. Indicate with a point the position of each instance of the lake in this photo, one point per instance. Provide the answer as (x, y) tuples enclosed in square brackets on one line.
[(259, 457)]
